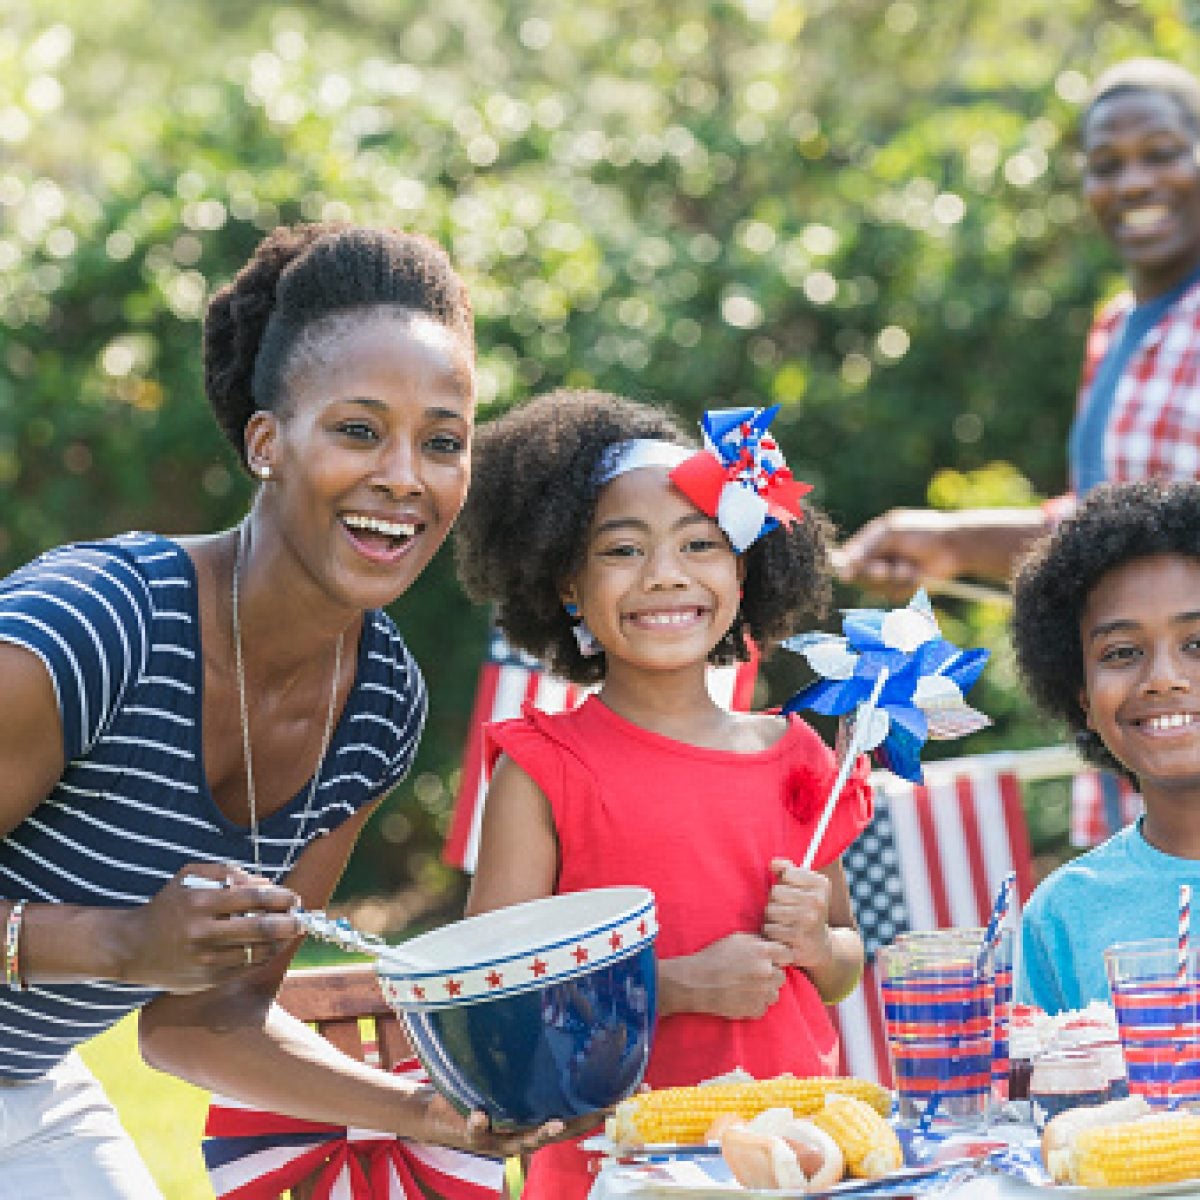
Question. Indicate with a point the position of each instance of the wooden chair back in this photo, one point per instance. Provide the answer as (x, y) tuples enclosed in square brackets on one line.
[(336, 1000)]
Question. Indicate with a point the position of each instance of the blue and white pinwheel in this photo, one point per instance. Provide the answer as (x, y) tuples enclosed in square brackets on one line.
[(922, 692)]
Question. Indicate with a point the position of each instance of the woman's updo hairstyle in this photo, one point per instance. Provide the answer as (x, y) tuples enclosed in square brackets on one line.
[(301, 277)]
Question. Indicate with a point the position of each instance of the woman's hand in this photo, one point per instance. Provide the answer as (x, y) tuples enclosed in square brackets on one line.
[(797, 914), (186, 939), (738, 976), (443, 1125)]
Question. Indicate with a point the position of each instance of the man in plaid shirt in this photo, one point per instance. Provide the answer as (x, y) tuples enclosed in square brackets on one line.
[(1139, 401)]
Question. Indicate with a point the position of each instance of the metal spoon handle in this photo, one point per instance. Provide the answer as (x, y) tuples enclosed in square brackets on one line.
[(338, 932), (316, 923)]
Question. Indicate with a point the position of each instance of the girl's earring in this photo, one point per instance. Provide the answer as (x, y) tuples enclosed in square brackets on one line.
[(585, 639), (262, 472)]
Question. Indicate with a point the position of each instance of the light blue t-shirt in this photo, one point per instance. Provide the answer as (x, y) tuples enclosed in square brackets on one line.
[(1122, 891)]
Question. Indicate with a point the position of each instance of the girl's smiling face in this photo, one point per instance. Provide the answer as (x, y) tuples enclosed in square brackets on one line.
[(660, 583), (1140, 633)]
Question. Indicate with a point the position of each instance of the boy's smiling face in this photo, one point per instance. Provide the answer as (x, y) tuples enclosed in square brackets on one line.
[(1140, 632)]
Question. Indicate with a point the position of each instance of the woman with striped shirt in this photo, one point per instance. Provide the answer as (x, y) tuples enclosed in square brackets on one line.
[(232, 706)]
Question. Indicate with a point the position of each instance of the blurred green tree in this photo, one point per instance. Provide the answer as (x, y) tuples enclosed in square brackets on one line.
[(864, 209)]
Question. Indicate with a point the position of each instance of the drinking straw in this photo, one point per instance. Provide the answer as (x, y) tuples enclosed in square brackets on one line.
[(991, 935), (862, 720), (931, 1107), (1181, 977), (1185, 932)]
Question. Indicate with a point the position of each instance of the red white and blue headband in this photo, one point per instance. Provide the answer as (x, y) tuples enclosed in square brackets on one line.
[(739, 478)]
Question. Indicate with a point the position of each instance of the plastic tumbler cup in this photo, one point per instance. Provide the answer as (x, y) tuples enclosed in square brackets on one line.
[(1158, 1018), (938, 1008), (1002, 1003)]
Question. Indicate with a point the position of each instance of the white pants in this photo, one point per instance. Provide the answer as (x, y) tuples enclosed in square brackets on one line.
[(61, 1139)]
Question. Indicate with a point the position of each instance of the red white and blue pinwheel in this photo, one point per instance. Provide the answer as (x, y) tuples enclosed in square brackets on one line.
[(740, 479), (923, 677)]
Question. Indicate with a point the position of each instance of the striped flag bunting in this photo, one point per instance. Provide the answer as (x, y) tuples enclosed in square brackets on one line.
[(255, 1155), (1102, 803), (932, 857), (510, 679)]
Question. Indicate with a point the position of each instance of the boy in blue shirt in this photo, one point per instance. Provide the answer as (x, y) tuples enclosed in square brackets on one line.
[(1106, 626)]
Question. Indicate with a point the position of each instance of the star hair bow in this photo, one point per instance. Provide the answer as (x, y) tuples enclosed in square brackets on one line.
[(740, 478), (924, 678)]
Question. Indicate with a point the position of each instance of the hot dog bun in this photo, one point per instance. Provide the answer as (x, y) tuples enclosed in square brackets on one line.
[(779, 1150)]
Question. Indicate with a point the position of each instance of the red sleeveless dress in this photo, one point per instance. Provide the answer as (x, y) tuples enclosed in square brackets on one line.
[(698, 827)]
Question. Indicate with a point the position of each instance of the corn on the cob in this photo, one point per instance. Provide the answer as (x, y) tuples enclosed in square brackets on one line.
[(869, 1143), (684, 1114), (1158, 1149)]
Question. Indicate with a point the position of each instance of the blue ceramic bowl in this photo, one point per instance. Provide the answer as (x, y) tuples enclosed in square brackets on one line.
[(541, 1010)]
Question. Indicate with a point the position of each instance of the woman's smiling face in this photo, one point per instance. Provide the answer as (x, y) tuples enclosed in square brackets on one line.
[(370, 452), (1140, 632)]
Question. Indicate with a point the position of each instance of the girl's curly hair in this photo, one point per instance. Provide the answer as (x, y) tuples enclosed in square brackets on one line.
[(259, 325), (1116, 524), (523, 531)]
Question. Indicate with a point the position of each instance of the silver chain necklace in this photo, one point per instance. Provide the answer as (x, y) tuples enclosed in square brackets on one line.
[(242, 708)]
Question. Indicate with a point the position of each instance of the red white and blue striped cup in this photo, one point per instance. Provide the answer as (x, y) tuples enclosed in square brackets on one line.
[(939, 1008), (1158, 1018), (1002, 969)]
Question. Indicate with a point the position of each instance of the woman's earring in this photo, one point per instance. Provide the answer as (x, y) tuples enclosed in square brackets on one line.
[(262, 472), (585, 639)]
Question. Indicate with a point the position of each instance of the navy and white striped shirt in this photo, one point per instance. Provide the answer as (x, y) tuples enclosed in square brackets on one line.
[(117, 627)]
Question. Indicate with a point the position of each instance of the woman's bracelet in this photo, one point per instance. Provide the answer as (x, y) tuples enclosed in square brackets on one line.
[(12, 946)]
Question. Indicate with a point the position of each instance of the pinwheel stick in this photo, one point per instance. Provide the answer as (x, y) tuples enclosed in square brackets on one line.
[(860, 725)]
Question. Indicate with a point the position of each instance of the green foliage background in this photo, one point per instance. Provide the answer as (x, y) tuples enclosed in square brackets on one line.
[(864, 209)]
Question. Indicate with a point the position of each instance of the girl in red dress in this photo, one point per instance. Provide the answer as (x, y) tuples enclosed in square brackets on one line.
[(601, 566)]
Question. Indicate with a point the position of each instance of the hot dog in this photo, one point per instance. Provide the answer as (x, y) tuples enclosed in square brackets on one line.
[(779, 1150)]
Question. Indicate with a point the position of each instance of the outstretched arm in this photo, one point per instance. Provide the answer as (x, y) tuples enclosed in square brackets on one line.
[(234, 1040), (895, 552)]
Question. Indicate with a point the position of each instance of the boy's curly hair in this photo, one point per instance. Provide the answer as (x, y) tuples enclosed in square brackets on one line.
[(523, 531), (1116, 524)]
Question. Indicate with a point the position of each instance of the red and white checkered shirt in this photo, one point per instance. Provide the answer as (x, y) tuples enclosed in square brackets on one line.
[(1154, 430)]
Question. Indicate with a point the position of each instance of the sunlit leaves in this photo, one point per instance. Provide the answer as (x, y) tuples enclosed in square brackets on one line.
[(866, 210)]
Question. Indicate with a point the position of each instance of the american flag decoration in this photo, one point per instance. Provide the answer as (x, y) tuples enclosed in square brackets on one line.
[(1102, 803), (255, 1155), (932, 857), (510, 679)]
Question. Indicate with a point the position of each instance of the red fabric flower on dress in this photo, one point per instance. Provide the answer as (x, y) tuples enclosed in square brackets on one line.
[(803, 793)]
